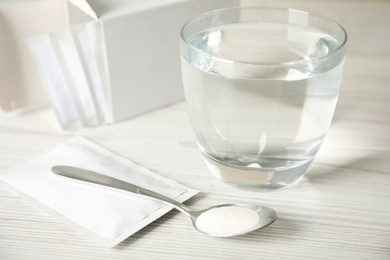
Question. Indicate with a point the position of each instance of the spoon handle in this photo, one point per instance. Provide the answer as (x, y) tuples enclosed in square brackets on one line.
[(104, 180)]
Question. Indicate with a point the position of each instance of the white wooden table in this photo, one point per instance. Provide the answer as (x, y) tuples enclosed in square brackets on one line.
[(340, 210)]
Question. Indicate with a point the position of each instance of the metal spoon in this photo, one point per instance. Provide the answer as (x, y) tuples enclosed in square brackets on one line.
[(260, 216)]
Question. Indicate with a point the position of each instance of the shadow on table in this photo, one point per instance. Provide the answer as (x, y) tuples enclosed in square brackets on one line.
[(376, 162)]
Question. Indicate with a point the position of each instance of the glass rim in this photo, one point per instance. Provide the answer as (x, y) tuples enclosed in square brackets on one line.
[(289, 63)]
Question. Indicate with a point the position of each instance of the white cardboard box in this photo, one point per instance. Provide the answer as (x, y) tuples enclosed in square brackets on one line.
[(140, 47)]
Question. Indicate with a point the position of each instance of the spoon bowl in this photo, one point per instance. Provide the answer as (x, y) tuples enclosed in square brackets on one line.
[(225, 220), (229, 220)]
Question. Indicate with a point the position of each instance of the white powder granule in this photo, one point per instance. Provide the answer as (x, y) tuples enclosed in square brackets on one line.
[(227, 221)]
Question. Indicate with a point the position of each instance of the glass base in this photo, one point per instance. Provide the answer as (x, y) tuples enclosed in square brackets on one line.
[(264, 179)]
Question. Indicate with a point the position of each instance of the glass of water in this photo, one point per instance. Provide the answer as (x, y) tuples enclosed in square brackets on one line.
[(261, 87)]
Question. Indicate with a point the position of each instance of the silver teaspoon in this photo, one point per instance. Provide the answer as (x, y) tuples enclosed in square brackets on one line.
[(225, 220)]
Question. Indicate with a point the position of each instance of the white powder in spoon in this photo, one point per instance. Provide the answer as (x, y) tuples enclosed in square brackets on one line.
[(227, 221)]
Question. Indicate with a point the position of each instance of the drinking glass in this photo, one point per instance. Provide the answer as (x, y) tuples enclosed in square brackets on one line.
[(261, 86)]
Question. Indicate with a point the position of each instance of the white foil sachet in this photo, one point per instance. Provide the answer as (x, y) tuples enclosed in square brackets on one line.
[(106, 215)]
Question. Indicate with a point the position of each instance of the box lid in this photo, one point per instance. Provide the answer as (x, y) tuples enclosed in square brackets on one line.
[(104, 9)]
